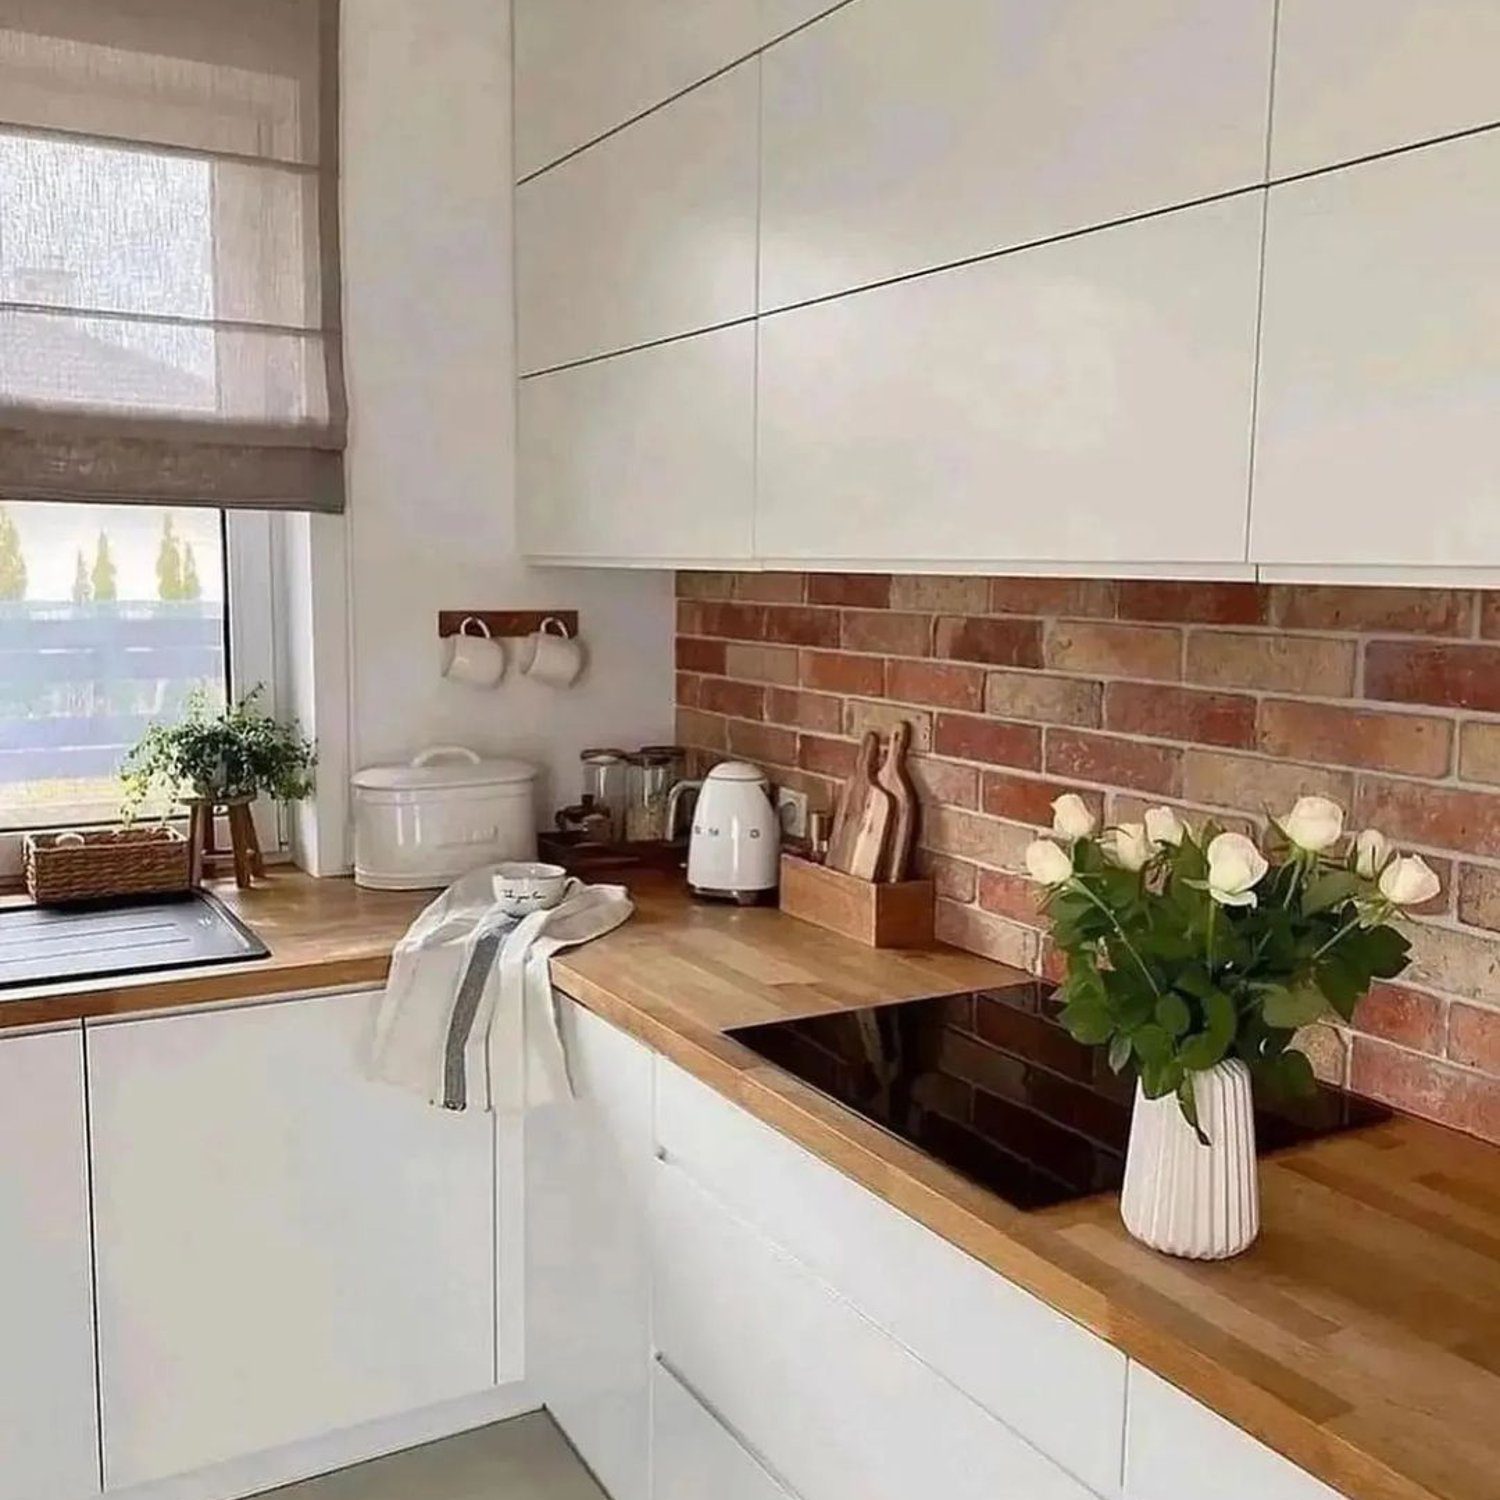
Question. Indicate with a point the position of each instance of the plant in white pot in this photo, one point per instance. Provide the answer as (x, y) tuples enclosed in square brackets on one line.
[(1195, 957)]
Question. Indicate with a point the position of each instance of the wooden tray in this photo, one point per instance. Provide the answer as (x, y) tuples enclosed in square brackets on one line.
[(895, 915), (583, 859)]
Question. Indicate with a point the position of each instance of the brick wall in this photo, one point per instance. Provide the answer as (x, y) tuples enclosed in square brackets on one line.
[(1214, 698)]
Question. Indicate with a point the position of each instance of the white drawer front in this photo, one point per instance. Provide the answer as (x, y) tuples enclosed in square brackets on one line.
[(1177, 1447), (1010, 1351), (834, 1406), (694, 1455)]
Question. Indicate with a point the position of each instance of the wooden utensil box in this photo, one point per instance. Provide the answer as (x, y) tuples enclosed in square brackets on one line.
[(895, 915)]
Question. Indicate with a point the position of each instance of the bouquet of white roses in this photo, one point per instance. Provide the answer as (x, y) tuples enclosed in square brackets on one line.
[(1186, 947)]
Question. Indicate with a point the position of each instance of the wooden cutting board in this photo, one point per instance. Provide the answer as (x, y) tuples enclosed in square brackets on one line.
[(864, 816), (895, 780)]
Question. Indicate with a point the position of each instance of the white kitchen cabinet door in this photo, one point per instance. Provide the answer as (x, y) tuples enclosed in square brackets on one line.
[(900, 135), (588, 1273), (1354, 77), (583, 68), (778, 17), (642, 457), (651, 233), (49, 1443), (1175, 1447), (694, 1456), (1380, 364), (828, 1402), (284, 1247), (1078, 403), (949, 1309)]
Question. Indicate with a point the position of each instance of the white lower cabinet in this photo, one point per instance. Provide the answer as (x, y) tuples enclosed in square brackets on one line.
[(695, 1456), (49, 1445), (1175, 1447), (284, 1248), (588, 1166), (1007, 1349), (829, 1402)]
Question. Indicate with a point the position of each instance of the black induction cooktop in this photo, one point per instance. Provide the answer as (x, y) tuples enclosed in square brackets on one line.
[(992, 1085)]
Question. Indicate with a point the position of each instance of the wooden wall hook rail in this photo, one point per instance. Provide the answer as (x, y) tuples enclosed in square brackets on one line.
[(507, 623)]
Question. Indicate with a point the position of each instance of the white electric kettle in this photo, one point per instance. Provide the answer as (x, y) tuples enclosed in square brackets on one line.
[(735, 847)]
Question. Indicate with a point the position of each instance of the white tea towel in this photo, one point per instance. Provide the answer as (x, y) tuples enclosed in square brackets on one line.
[(467, 1019)]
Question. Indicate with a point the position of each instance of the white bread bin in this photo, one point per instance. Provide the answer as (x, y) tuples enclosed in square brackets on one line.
[(422, 826)]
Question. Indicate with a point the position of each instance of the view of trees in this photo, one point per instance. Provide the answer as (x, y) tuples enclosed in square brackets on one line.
[(12, 563), (177, 579)]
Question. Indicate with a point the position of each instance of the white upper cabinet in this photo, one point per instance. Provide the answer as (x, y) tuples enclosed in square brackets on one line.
[(284, 1247), (1083, 401), (647, 456), (1380, 365), (49, 1443), (1354, 77), (585, 67), (648, 234), (777, 17), (905, 134)]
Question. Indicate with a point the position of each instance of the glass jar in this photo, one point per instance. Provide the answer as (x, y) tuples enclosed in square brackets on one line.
[(606, 784), (654, 771)]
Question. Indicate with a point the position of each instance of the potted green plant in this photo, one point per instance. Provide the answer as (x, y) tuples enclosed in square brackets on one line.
[(1195, 957), (217, 758)]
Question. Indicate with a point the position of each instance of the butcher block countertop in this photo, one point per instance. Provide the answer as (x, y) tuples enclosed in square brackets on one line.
[(1359, 1336)]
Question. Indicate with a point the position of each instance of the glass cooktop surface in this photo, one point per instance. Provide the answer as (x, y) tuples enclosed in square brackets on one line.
[(992, 1085)]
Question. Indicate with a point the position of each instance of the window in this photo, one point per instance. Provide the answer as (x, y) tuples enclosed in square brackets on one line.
[(110, 618)]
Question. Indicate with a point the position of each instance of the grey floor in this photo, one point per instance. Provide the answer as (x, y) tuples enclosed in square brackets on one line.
[(526, 1458)]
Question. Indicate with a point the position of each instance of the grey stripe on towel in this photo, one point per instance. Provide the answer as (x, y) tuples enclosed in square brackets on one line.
[(465, 1008)]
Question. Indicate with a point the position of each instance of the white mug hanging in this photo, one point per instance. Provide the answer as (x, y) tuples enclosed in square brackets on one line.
[(551, 656), (475, 660)]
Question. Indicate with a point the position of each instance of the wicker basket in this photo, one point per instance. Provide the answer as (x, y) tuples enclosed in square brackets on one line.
[(99, 863)]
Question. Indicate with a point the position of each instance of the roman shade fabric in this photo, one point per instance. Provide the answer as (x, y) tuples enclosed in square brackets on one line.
[(169, 300)]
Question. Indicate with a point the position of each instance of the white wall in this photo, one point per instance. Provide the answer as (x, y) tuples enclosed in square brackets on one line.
[(429, 337)]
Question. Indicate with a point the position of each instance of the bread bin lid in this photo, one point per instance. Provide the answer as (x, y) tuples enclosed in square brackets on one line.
[(445, 766)]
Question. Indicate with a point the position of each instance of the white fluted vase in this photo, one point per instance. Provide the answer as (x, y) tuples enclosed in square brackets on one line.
[(1182, 1197)]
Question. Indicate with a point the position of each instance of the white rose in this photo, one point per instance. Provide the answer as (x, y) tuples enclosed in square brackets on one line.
[(1048, 863), (1235, 867), (1409, 881), (1314, 824), (1127, 846), (1071, 818), (1163, 826), (1372, 852)]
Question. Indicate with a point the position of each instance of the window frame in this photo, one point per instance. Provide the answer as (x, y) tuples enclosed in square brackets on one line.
[(257, 654)]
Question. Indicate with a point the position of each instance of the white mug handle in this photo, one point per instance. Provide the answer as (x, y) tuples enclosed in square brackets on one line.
[(468, 620), (562, 630), (444, 752)]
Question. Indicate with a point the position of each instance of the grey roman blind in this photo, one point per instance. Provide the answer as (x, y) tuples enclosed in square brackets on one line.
[(169, 299)]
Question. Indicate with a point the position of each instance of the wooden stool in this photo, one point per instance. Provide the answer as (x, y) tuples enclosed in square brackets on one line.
[(244, 850)]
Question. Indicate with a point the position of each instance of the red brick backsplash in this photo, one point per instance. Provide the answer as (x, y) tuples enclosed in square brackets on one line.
[(1222, 699)]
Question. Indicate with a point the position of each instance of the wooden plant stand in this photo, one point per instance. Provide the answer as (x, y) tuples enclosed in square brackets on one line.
[(243, 855)]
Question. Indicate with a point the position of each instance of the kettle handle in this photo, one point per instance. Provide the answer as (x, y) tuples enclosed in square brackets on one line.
[(674, 797)]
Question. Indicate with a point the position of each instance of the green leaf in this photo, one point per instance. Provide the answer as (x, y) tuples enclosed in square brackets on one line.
[(1119, 1052), (1086, 1023), (1387, 952), (1151, 1043), (1173, 1015), (1289, 1075), (1187, 1102), (1220, 1019), (1293, 1008), (1331, 890)]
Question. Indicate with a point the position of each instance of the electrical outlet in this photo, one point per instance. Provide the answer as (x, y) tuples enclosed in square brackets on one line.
[(791, 809)]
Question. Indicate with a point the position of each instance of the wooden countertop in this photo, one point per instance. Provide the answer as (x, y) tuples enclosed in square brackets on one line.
[(1359, 1336), (322, 934)]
